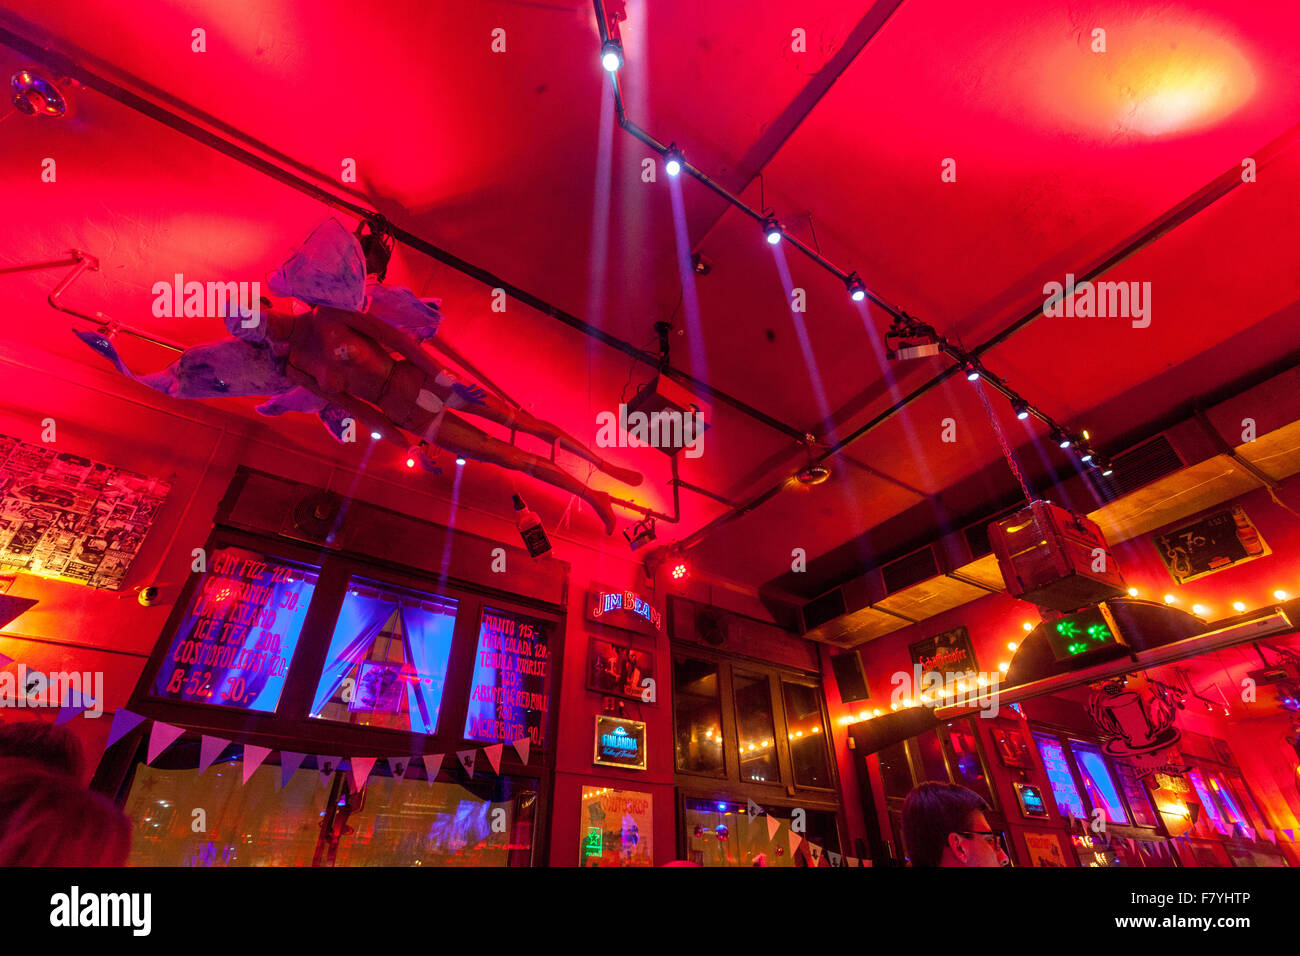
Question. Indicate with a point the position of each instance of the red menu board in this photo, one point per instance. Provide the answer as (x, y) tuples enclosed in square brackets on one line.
[(510, 696)]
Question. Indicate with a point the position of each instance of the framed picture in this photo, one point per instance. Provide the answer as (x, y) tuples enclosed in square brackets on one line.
[(618, 669), (1211, 543), (1032, 803), (1012, 747), (1044, 849)]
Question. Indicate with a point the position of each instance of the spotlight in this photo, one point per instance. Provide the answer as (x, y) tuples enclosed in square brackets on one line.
[(611, 56), (701, 265), (857, 288), (772, 230), (35, 96), (1104, 464), (641, 533), (972, 371), (1086, 456), (673, 160), (1238, 606), (460, 460), (679, 570), (814, 474), (1062, 438), (1133, 592), (1021, 408), (410, 463), (376, 436)]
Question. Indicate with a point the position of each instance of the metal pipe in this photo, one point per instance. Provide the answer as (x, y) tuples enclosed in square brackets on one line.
[(104, 323)]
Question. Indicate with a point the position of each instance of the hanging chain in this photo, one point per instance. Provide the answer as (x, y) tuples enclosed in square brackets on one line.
[(1006, 449)]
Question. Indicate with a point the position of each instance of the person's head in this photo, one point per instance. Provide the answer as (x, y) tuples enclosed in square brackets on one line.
[(49, 746), (47, 819), (944, 825)]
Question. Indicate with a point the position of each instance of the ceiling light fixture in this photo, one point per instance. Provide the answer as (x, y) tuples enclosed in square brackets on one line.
[(972, 371), (611, 56), (673, 160), (1021, 408), (640, 534), (772, 230), (35, 95), (1062, 437), (813, 474), (857, 288)]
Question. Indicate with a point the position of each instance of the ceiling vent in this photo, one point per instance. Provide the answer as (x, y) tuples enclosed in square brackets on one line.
[(822, 609), (1140, 466), (910, 569)]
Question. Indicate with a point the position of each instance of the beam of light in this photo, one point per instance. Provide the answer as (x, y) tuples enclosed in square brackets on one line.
[(452, 513), (690, 299), (599, 266)]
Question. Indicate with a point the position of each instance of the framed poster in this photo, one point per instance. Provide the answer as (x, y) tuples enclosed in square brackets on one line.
[(1044, 849), (510, 696), (618, 669), (617, 828), (68, 517), (1210, 543), (620, 743), (1012, 747), (946, 653), (1030, 797)]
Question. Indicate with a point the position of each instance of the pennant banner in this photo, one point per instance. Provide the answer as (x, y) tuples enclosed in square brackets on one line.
[(74, 703), (521, 747), (493, 753), (161, 736), (835, 858), (289, 764), (773, 824), (5, 661), (123, 723), (326, 766), (210, 749), (795, 840), (432, 764), (398, 766), (253, 757), (467, 758), (360, 768), (754, 808)]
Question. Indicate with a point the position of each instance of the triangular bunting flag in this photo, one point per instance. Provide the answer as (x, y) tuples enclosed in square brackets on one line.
[(326, 766), (795, 840), (467, 758), (814, 851), (5, 661), (773, 824), (834, 858), (253, 757), (1270, 835), (493, 753), (753, 808), (398, 766), (74, 703), (432, 764), (289, 764), (123, 723), (521, 747), (1250, 832), (209, 750), (161, 736), (1290, 835), (851, 860), (361, 767), (1222, 830)]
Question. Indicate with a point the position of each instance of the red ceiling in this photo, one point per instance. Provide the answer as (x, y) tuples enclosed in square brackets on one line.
[(1062, 154)]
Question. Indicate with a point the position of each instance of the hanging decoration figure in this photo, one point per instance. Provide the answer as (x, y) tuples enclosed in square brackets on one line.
[(359, 359)]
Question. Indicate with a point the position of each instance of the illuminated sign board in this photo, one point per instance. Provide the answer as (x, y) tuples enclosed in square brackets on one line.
[(607, 602), (1082, 633), (620, 743), (1031, 800)]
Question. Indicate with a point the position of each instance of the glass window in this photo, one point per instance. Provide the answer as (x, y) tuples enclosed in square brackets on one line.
[(239, 632), (1097, 780), (1231, 810), (1139, 802), (390, 822), (894, 771), (697, 716), (510, 697), (964, 758), (387, 660), (931, 752), (616, 828), (721, 833), (756, 728), (803, 712), (1068, 801), (1208, 805)]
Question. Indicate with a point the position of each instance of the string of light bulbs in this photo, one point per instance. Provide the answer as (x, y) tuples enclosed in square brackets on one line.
[(904, 325)]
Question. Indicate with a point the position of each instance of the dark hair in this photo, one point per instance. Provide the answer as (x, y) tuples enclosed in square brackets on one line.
[(47, 819), (50, 746), (931, 812)]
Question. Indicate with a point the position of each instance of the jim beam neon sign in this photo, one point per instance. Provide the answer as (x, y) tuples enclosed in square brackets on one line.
[(607, 601)]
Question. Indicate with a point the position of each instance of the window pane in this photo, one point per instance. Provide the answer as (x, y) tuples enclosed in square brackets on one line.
[(803, 712), (931, 753), (510, 696), (390, 823), (617, 828), (964, 757), (894, 770), (1210, 810), (697, 715), (1139, 802), (756, 728), (721, 833), (1231, 810), (239, 632), (387, 661), (1068, 801), (1097, 780)]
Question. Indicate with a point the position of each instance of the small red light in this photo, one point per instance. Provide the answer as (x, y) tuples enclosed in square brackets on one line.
[(410, 463), (679, 571)]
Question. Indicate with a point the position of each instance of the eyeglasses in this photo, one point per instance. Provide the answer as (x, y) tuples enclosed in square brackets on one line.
[(992, 837)]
